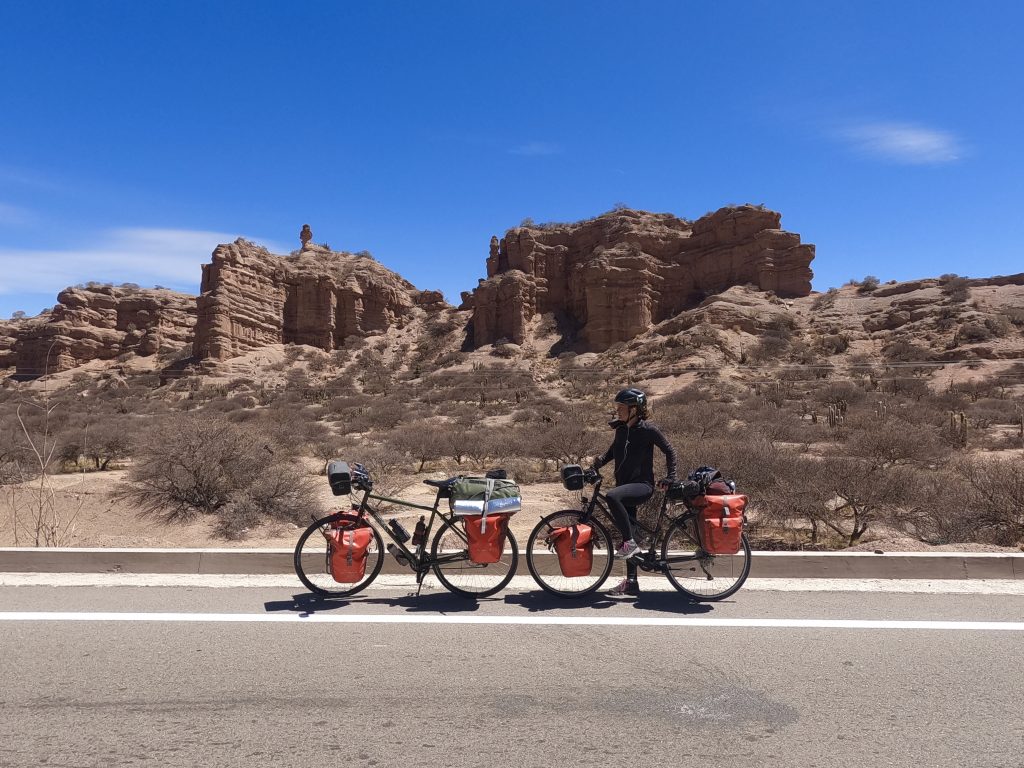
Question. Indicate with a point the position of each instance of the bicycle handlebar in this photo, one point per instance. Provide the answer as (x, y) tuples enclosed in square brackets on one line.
[(361, 478)]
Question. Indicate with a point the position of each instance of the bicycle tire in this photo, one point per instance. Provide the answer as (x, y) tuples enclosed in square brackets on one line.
[(449, 553), (547, 572), (694, 575), (310, 559)]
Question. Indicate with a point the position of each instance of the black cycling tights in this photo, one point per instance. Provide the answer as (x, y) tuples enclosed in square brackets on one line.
[(623, 501)]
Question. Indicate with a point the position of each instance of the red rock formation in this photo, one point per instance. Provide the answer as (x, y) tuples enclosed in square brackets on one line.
[(621, 273), (102, 322), (251, 298), (8, 336)]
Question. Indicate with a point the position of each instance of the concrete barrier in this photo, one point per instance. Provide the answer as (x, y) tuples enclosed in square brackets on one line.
[(764, 565)]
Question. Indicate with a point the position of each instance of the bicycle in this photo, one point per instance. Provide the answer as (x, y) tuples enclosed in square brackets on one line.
[(677, 552), (448, 555)]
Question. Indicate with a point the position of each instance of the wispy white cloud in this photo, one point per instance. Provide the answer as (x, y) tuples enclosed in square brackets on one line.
[(10, 176), (170, 257), (903, 143), (15, 216), (536, 149)]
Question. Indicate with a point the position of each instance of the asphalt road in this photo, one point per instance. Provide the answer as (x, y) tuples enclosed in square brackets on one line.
[(284, 683)]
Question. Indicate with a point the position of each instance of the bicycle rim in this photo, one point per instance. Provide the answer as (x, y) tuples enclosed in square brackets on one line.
[(312, 566), (459, 574), (696, 574), (544, 564)]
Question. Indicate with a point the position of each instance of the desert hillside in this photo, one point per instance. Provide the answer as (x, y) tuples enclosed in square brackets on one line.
[(871, 410)]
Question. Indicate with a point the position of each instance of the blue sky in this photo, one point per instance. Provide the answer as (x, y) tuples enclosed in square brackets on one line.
[(135, 136)]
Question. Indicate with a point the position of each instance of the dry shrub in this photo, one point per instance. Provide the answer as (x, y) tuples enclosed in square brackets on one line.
[(903, 351), (319, 361), (388, 466), (956, 288), (770, 349), (296, 428), (108, 441), (880, 443), (825, 301), (693, 421), (569, 440), (972, 333), (525, 469), (419, 441), (868, 284), (974, 500), (1015, 315), (194, 464)]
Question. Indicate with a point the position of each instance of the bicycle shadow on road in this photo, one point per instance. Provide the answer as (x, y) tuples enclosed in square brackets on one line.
[(306, 604), (436, 602), (535, 602), (441, 602)]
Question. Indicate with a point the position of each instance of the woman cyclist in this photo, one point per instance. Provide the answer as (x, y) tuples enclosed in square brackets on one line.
[(633, 452)]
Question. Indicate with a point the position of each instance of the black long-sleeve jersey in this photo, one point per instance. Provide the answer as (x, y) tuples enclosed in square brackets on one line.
[(633, 451)]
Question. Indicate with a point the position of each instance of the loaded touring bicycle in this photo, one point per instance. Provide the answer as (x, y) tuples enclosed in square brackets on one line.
[(472, 553), (697, 540)]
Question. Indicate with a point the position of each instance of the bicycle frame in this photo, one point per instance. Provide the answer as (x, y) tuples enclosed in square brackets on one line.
[(649, 560), (419, 559)]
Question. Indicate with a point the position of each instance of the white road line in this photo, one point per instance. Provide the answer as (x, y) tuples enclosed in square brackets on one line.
[(572, 621), (290, 550), (518, 583)]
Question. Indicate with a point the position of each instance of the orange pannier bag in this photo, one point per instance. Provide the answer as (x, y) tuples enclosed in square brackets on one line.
[(486, 536), (721, 522), (347, 551), (574, 546)]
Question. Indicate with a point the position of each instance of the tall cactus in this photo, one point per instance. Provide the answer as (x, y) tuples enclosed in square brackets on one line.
[(958, 426)]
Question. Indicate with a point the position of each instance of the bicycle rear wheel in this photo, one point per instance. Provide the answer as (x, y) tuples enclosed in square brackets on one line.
[(452, 566), (312, 565), (697, 574), (544, 564)]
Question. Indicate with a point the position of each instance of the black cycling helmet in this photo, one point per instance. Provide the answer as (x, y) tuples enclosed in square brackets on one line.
[(632, 396)]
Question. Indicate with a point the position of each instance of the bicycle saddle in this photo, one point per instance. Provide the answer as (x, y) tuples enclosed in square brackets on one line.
[(441, 483)]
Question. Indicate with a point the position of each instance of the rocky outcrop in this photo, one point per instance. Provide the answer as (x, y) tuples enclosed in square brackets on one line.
[(101, 322), (8, 336), (619, 274), (251, 298), (735, 309)]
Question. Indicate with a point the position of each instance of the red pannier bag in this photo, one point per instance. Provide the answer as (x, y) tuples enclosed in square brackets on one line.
[(486, 536), (347, 551), (574, 546), (721, 522)]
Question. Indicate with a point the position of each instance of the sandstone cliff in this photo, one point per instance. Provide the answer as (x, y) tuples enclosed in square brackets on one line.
[(623, 272), (8, 336), (101, 322), (251, 298)]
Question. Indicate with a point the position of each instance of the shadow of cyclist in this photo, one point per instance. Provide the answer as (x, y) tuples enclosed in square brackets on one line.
[(668, 602), (536, 601), (665, 602)]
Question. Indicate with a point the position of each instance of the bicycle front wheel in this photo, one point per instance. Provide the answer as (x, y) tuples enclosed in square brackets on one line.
[(450, 558), (312, 557), (544, 564), (694, 572)]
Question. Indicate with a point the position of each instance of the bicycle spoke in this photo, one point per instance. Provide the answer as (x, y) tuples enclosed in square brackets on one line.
[(312, 564), (459, 574), (694, 572)]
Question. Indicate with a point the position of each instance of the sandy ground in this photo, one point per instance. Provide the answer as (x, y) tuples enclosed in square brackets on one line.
[(92, 517)]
